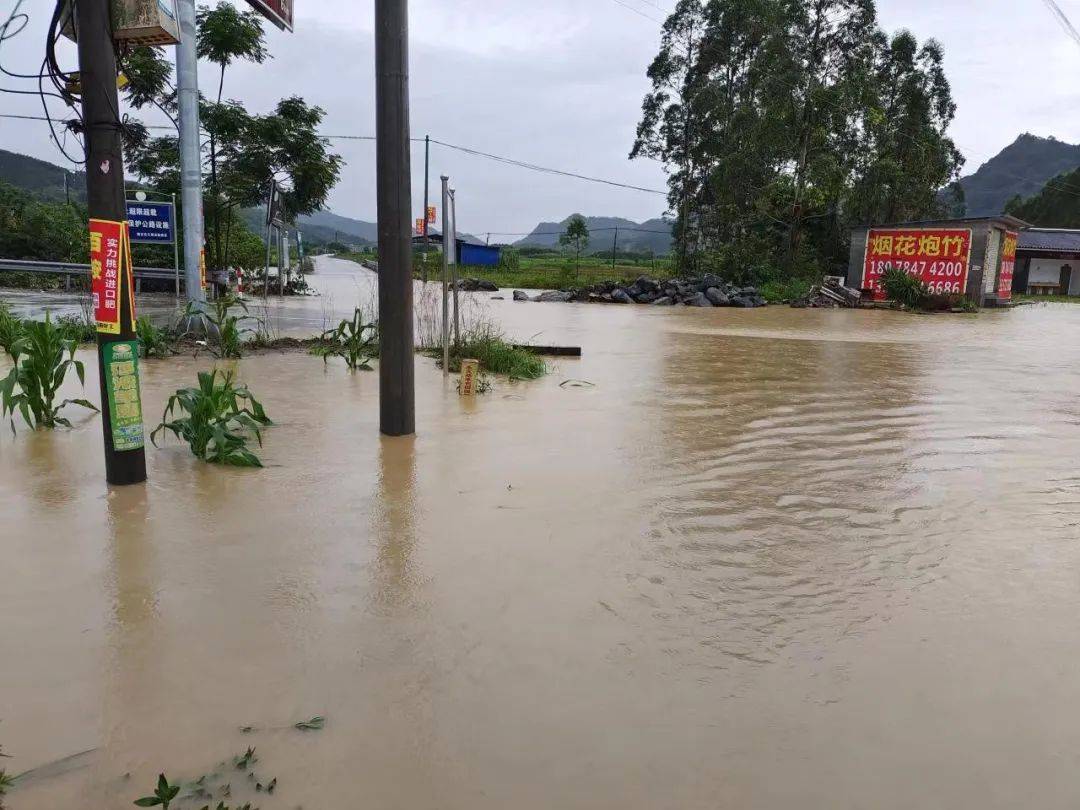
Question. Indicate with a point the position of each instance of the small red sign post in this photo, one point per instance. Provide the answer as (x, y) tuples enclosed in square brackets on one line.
[(939, 257)]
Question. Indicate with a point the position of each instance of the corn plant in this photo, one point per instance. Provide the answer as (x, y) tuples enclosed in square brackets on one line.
[(153, 340), (229, 328), (11, 328), (5, 781), (356, 342), (219, 417), (42, 358), (163, 795)]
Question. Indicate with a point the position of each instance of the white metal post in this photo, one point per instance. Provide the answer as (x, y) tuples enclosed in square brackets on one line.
[(453, 261), (176, 246), (187, 91), (445, 275)]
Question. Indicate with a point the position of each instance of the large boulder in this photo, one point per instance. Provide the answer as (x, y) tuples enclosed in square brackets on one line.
[(621, 296), (712, 280), (486, 285), (521, 295), (647, 297), (717, 297), (555, 296), (664, 301), (647, 284), (698, 300)]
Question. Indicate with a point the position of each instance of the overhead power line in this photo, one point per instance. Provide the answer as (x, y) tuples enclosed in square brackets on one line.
[(1063, 18), (546, 170)]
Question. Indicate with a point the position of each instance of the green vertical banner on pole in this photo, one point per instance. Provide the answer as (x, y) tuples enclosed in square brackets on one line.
[(122, 382)]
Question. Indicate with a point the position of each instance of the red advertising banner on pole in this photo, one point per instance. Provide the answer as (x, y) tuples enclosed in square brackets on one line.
[(106, 273), (420, 230), (279, 12), (1008, 264), (431, 214), (939, 257)]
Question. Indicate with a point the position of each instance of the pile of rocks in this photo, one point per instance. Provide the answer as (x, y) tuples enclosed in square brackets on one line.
[(477, 285), (707, 291)]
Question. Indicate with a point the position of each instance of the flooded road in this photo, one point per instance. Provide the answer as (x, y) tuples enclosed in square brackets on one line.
[(770, 559)]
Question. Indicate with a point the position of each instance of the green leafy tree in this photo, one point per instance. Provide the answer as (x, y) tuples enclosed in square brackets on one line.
[(244, 151), (1056, 206), (575, 237), (32, 229)]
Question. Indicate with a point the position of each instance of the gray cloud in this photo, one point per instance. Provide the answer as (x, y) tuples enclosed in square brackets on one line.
[(560, 84)]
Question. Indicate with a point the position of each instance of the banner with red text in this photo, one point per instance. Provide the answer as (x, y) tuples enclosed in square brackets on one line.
[(106, 273), (939, 257), (1008, 264)]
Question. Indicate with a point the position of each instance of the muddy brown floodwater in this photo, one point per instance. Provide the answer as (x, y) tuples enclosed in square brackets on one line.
[(772, 559)]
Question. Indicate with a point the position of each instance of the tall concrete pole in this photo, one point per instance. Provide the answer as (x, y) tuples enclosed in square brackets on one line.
[(397, 398), (187, 92), (427, 168), (105, 200)]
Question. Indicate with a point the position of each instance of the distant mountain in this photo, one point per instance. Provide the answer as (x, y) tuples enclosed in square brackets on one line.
[(41, 178), (653, 234), (1022, 168)]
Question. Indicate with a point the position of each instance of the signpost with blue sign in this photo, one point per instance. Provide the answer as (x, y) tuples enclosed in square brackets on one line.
[(154, 223), (151, 223)]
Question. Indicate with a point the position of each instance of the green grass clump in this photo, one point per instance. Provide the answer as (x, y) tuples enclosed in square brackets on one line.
[(496, 356), (219, 417)]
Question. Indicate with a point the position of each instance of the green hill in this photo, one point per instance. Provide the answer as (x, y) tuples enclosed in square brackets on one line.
[(1022, 168), (42, 179)]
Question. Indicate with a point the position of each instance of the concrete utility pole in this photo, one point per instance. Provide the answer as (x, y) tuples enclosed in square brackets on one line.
[(445, 277), (187, 93), (397, 397), (427, 166), (106, 201), (614, 247)]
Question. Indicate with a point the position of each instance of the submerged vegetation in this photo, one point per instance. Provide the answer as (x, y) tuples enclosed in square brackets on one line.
[(153, 340), (218, 419), (495, 353), (356, 342), (42, 358)]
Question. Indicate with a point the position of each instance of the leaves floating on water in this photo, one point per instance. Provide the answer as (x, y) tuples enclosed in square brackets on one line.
[(314, 724)]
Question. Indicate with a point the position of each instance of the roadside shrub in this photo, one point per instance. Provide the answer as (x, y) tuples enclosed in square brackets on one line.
[(77, 328), (510, 259), (218, 418), (356, 342), (42, 358), (904, 289)]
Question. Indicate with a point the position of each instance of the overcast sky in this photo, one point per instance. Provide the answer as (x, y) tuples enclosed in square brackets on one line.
[(559, 83)]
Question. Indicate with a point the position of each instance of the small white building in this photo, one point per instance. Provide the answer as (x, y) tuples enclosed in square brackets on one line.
[(1048, 262)]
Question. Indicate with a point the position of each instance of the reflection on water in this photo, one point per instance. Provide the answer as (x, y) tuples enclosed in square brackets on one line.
[(769, 559)]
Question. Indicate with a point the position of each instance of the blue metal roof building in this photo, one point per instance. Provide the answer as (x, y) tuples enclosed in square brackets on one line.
[(477, 255)]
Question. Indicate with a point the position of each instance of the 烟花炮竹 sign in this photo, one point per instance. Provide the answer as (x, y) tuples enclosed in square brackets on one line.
[(110, 270), (151, 223), (939, 257), (1008, 264)]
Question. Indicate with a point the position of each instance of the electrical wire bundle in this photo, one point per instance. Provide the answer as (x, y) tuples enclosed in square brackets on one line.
[(64, 84)]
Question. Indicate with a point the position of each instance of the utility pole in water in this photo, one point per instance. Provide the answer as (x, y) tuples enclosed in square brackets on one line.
[(397, 398), (614, 246), (427, 165), (121, 411), (187, 97)]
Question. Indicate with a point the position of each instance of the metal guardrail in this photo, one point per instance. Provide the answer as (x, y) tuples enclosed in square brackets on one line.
[(68, 270)]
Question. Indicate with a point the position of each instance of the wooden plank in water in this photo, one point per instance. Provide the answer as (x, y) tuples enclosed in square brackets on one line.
[(550, 351)]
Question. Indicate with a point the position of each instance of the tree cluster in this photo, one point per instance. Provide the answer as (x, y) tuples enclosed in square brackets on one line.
[(782, 123)]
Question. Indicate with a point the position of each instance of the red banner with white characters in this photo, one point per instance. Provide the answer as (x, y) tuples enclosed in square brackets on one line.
[(1008, 264), (939, 257), (106, 273)]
